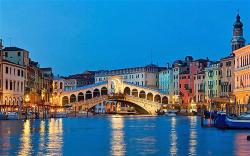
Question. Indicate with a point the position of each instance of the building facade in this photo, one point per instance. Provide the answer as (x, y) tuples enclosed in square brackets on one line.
[(199, 87), (83, 79), (14, 63), (227, 76), (144, 76), (242, 75), (166, 81), (212, 81)]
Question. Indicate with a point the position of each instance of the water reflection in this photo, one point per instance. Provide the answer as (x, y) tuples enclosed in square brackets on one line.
[(173, 137), (25, 140), (241, 144), (42, 137), (55, 137), (117, 142), (193, 135)]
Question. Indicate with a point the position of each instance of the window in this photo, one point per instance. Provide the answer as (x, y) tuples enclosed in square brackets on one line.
[(11, 85), (19, 54), (18, 72), (6, 54), (6, 84), (21, 86), (22, 73), (6, 70)]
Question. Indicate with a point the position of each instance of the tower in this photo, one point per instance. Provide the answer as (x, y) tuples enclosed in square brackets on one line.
[(237, 41)]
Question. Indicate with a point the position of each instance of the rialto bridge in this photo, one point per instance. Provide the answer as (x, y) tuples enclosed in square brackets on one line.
[(112, 90)]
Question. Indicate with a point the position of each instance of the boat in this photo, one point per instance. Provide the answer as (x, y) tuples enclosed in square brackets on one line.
[(232, 121), (60, 115), (12, 115), (3, 116), (171, 113)]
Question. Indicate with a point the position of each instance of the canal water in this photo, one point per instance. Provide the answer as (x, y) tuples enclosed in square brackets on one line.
[(119, 136)]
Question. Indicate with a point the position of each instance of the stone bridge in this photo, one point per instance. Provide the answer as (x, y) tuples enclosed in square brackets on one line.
[(87, 97)]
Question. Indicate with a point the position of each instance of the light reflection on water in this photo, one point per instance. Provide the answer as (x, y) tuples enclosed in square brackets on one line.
[(25, 140), (128, 136), (117, 144), (192, 135), (173, 137), (55, 139)]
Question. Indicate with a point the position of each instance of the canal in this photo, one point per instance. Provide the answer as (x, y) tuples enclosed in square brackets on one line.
[(114, 135)]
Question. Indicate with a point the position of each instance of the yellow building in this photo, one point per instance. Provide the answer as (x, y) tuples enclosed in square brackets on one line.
[(242, 75)]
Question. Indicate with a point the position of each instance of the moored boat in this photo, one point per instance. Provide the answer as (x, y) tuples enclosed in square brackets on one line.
[(12, 115), (3, 116), (171, 113), (60, 115), (232, 122)]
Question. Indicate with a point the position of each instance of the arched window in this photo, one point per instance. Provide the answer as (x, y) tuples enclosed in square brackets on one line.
[(88, 95), (104, 91), (165, 100), (96, 92), (80, 96), (150, 96), (72, 98), (65, 100), (142, 94), (127, 91), (157, 98), (135, 92)]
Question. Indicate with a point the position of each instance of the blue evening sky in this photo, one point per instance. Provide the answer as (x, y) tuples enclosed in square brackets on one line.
[(77, 35)]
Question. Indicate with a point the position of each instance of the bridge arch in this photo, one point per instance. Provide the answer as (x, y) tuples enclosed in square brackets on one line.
[(65, 100), (150, 96), (135, 92), (165, 100), (96, 92), (72, 98), (157, 98), (127, 91), (80, 96), (104, 91), (88, 95), (142, 94)]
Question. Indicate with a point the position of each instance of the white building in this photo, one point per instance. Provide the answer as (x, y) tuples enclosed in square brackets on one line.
[(144, 76), (13, 68)]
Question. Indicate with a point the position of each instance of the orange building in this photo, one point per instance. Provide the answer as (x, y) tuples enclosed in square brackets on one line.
[(242, 75)]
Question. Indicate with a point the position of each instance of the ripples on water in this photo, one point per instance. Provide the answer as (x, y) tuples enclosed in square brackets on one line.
[(119, 136)]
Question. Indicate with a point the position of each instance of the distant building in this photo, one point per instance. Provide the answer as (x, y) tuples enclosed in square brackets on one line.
[(83, 79), (144, 76), (227, 76), (199, 87), (166, 81), (212, 81), (242, 75)]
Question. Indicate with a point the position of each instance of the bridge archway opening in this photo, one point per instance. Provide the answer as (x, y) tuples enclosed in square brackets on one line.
[(72, 98), (157, 98), (88, 95), (96, 93), (80, 96), (150, 96), (142, 94), (104, 91), (127, 91), (135, 92), (165, 100), (65, 100)]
